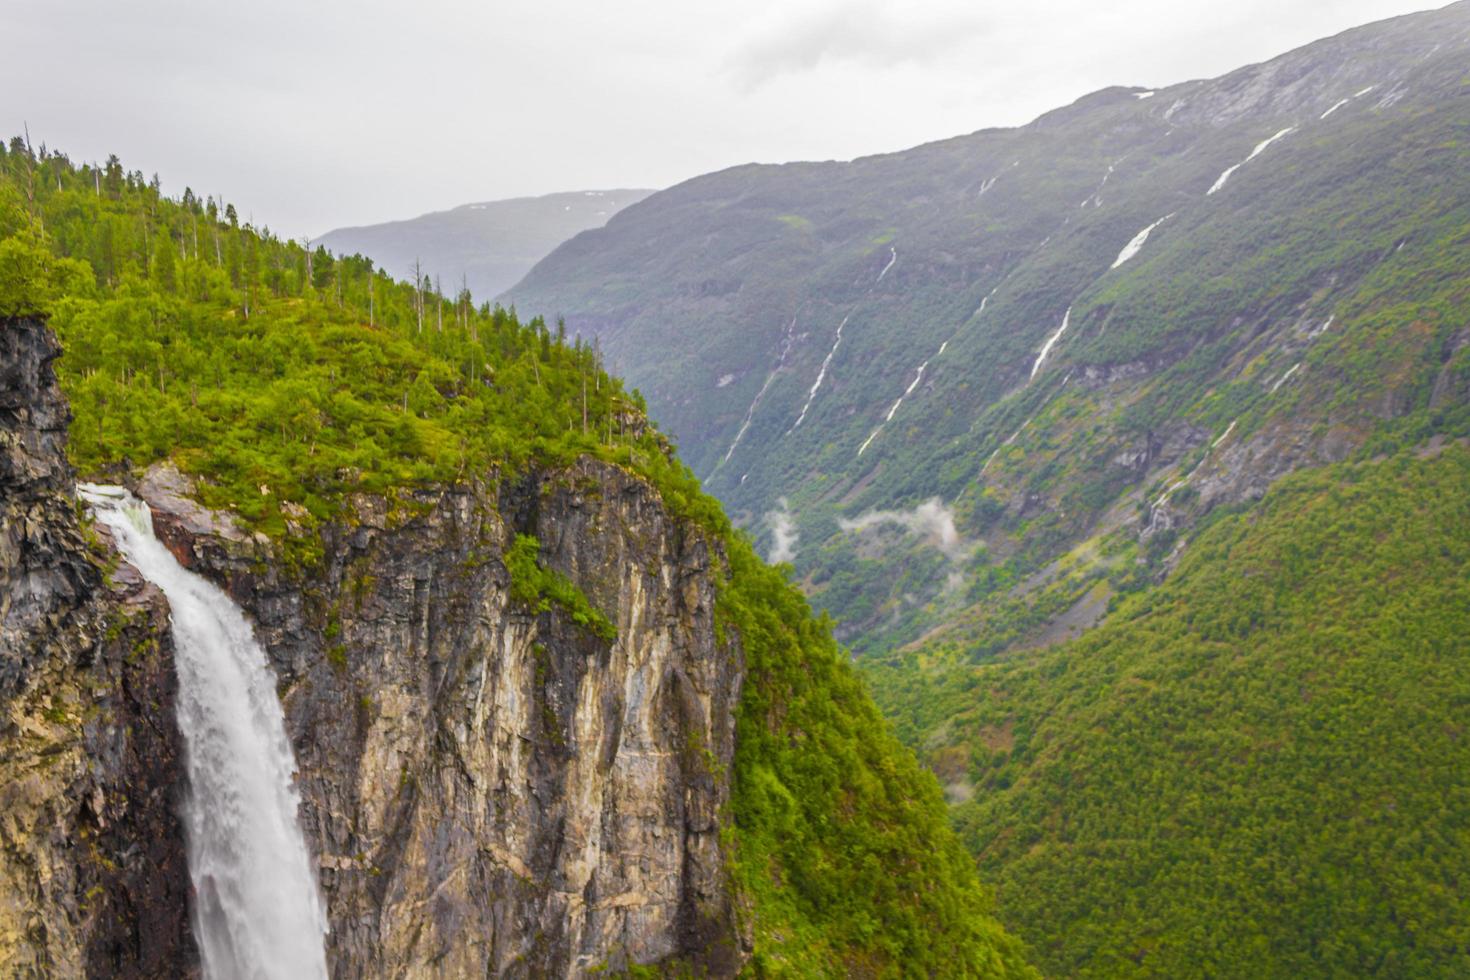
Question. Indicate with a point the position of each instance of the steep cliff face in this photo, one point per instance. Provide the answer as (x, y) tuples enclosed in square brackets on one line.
[(92, 871), (493, 787)]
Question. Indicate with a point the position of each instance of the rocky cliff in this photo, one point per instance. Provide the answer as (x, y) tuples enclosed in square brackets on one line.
[(514, 702), (492, 787), (92, 870)]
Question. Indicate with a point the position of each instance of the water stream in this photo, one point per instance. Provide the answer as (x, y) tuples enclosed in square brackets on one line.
[(258, 913)]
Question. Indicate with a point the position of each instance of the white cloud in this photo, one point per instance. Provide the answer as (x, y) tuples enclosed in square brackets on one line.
[(868, 33), (783, 530), (931, 520), (311, 116)]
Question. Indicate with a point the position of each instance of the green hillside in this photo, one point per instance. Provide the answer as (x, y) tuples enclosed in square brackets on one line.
[(1151, 545), (1256, 769), (287, 381)]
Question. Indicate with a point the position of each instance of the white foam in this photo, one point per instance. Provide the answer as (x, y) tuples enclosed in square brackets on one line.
[(256, 908)]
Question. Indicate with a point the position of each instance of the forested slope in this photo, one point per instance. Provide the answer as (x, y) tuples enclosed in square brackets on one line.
[(1255, 769), (1128, 450), (293, 384)]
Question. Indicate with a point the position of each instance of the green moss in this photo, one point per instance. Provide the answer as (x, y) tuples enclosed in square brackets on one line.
[(795, 222)]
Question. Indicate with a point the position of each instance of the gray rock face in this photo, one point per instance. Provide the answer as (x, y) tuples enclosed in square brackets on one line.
[(492, 789), (93, 878)]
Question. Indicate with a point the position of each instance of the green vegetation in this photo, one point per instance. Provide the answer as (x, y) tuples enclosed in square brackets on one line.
[(289, 380), (841, 836), (1255, 769), (1360, 218), (538, 588)]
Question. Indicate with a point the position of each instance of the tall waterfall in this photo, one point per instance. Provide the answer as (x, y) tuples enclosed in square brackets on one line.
[(258, 913)]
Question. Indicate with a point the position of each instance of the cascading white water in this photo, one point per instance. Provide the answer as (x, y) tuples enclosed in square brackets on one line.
[(258, 913)]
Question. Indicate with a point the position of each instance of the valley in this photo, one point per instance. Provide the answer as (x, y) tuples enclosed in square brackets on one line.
[(1040, 552)]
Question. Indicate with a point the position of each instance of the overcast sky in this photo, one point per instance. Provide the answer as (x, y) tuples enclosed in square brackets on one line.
[(310, 114)]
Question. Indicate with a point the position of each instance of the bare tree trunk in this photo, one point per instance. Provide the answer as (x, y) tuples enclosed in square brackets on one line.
[(418, 293)]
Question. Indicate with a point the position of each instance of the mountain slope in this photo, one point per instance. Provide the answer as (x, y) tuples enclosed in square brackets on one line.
[(486, 246), (1257, 769), (551, 713), (1127, 449), (856, 339)]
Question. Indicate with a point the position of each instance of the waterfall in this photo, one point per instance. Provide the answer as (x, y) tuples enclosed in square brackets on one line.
[(1260, 148), (1051, 342), (1135, 245), (821, 374), (258, 914)]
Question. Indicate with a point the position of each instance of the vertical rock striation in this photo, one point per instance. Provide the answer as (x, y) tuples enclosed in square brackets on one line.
[(494, 789), (92, 871), (492, 786)]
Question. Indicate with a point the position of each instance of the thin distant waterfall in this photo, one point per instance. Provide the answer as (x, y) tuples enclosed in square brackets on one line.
[(258, 913)]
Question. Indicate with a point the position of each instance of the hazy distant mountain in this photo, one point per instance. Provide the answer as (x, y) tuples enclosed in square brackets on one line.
[(489, 245), (1038, 326), (1185, 371)]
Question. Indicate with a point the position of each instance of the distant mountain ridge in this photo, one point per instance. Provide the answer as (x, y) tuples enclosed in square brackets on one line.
[(487, 245)]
